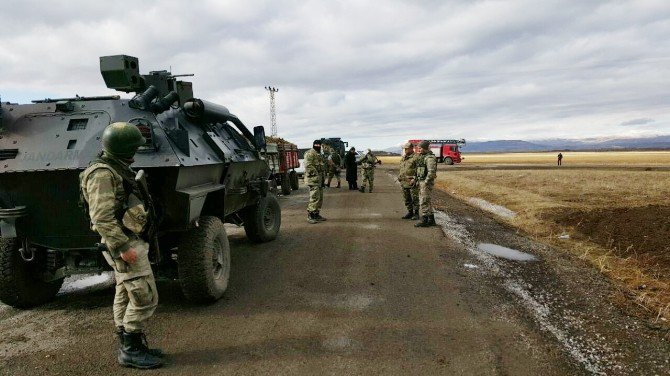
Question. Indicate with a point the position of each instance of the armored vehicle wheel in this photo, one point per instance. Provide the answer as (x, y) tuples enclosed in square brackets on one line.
[(20, 285), (285, 184), (263, 220), (295, 182), (204, 261), (448, 161)]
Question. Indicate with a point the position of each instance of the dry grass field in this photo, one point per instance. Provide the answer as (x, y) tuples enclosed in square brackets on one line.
[(618, 219), (624, 158)]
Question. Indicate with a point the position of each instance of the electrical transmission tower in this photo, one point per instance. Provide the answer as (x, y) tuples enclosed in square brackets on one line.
[(273, 110)]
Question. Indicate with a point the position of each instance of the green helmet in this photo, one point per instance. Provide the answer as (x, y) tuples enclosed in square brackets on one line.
[(122, 139)]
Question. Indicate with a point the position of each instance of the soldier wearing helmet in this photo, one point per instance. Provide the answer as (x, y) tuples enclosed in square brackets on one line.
[(426, 172), (407, 179), (120, 216)]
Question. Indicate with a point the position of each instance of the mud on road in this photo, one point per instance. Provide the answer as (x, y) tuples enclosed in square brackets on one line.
[(363, 293)]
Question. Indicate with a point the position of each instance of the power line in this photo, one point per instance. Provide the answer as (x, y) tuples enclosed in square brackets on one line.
[(273, 112)]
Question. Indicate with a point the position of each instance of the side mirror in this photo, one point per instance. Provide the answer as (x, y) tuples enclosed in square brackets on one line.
[(259, 137)]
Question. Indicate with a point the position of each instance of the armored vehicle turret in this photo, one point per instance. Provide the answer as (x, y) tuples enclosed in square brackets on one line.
[(202, 165)]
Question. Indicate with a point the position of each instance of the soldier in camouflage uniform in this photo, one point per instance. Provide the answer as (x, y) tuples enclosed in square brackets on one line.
[(118, 214), (368, 163), (325, 149), (334, 167), (426, 172), (314, 179), (407, 179)]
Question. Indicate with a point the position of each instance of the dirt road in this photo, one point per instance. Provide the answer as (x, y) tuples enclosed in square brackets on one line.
[(363, 293)]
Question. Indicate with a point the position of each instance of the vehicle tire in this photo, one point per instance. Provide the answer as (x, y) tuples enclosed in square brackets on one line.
[(295, 181), (20, 285), (285, 184), (204, 261), (263, 220), (448, 161)]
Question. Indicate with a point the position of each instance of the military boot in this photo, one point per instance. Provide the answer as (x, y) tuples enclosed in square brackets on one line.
[(362, 189), (318, 217), (133, 353), (311, 218), (423, 223), (415, 217), (431, 220), (409, 215), (155, 352)]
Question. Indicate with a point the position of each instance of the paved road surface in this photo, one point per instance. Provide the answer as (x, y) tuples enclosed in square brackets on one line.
[(363, 293)]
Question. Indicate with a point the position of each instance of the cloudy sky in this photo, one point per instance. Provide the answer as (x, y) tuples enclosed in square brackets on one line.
[(372, 72)]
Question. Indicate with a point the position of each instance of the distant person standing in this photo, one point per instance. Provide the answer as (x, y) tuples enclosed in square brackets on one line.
[(426, 172), (407, 179), (314, 176), (334, 167), (368, 163), (560, 159), (352, 169)]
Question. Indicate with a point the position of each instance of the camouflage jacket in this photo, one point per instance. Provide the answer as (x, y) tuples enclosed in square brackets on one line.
[(118, 216), (314, 168), (426, 169), (407, 171), (335, 161), (369, 161)]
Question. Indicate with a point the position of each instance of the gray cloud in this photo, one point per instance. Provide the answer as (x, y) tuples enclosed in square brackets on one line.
[(640, 121), (374, 73)]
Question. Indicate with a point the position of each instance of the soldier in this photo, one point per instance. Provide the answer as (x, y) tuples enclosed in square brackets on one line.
[(368, 163), (334, 167), (324, 157), (314, 178), (426, 171), (560, 158), (118, 214), (406, 177)]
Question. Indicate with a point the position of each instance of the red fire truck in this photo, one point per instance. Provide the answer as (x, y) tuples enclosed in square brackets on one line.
[(447, 151)]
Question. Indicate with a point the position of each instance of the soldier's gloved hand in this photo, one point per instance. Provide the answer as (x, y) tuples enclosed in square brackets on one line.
[(129, 256)]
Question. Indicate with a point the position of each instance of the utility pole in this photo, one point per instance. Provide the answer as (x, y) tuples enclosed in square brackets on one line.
[(273, 112)]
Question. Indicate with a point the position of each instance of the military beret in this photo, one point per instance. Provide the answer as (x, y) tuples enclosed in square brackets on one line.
[(407, 145), (424, 144)]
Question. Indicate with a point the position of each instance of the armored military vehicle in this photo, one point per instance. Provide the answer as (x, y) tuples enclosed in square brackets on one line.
[(203, 169)]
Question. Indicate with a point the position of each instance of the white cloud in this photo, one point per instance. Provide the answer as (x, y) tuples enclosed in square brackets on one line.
[(375, 72)]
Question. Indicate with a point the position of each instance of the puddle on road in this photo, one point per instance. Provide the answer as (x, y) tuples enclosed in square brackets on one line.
[(504, 252)]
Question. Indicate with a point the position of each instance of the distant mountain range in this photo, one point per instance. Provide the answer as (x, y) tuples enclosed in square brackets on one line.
[(612, 143)]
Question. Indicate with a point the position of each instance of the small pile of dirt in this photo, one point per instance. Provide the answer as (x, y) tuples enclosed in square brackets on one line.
[(639, 232)]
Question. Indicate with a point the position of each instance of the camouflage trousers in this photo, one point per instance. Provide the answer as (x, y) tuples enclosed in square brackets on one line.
[(315, 198), (136, 295), (425, 193), (369, 176), (411, 197), (336, 174)]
